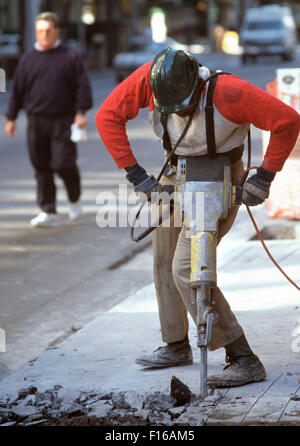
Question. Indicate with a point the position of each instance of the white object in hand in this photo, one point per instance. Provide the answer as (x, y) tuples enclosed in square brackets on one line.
[(77, 134)]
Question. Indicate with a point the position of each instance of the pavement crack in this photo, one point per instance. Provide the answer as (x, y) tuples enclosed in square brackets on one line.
[(283, 410), (262, 394), (223, 395), (128, 257), (62, 338)]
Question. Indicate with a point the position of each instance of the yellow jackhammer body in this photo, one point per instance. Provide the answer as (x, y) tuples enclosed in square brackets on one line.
[(206, 195)]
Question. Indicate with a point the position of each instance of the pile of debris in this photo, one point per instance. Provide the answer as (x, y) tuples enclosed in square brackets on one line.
[(48, 407)]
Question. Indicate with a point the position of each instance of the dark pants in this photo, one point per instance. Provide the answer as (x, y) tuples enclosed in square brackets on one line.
[(52, 152)]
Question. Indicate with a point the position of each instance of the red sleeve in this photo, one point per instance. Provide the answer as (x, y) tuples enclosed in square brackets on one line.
[(241, 102), (122, 104)]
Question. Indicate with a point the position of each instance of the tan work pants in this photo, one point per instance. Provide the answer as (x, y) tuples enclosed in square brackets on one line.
[(171, 250)]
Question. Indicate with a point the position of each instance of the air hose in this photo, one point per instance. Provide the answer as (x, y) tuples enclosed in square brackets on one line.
[(260, 237)]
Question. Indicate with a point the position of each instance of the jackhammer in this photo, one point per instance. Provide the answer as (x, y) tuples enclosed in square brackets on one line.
[(204, 193), (207, 181)]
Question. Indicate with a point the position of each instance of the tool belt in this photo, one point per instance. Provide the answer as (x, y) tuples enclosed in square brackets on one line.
[(234, 155)]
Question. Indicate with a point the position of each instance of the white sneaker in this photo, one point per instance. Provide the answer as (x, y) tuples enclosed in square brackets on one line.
[(75, 210), (45, 220)]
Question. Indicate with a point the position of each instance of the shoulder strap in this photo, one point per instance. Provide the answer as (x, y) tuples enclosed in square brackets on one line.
[(209, 120), (209, 114)]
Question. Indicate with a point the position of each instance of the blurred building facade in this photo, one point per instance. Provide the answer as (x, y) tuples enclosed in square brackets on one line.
[(99, 29)]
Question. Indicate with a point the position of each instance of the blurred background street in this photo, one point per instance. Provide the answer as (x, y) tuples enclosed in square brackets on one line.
[(53, 281)]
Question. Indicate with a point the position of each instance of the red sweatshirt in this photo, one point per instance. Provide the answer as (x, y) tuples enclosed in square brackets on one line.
[(236, 101)]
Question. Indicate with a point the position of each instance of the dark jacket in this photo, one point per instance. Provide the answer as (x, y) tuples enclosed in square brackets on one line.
[(53, 82)]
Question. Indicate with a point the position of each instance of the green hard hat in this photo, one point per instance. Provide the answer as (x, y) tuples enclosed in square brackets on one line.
[(173, 76)]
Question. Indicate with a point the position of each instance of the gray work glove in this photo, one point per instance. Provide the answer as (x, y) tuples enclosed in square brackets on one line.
[(143, 183), (256, 189)]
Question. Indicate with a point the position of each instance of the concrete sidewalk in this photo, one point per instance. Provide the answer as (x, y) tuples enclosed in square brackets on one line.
[(92, 378)]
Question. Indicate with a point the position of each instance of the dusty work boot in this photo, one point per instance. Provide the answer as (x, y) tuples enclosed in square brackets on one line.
[(243, 366), (176, 353)]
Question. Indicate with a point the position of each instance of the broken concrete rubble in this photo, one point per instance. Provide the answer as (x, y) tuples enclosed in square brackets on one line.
[(116, 408), (180, 392), (23, 393), (191, 417)]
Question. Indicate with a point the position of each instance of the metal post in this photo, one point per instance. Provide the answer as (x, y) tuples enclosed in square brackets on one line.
[(134, 17), (81, 29), (31, 9), (82, 36), (211, 23)]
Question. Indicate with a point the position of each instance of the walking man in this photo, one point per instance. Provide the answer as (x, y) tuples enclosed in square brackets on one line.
[(51, 83)]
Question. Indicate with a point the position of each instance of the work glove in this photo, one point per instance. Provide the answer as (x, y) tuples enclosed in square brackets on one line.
[(256, 189), (143, 183)]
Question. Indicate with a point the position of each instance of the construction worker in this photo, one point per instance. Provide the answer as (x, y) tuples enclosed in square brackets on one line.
[(171, 87)]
